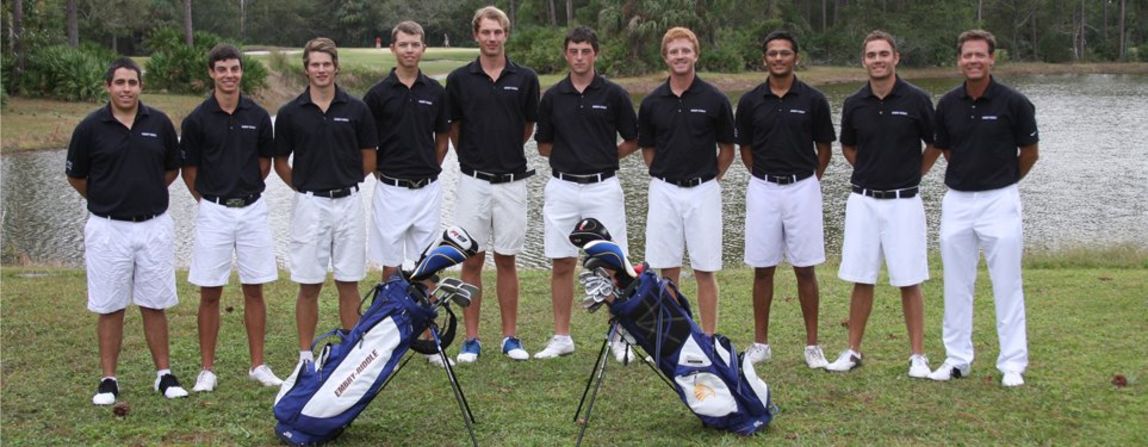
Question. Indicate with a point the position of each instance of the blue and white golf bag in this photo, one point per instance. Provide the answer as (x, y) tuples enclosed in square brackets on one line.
[(723, 390)]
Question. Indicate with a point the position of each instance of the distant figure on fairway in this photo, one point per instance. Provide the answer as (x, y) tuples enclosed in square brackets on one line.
[(226, 147), (122, 158), (989, 137)]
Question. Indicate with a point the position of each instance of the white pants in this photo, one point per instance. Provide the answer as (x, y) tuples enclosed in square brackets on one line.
[(405, 222), (988, 220), (130, 262), (566, 203), (326, 233), (680, 218), (784, 221), (494, 215), (223, 233)]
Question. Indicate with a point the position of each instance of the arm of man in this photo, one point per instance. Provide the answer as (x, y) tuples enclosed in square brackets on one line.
[(648, 156), (455, 129), (264, 167), (929, 158), (747, 157), (824, 153), (370, 155), (441, 146), (1027, 158), (545, 148), (724, 159), (627, 147), (189, 173), (169, 176), (80, 184), (527, 131), (283, 170), (850, 153)]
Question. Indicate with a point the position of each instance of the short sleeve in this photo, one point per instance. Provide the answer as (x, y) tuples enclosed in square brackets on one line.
[(266, 137), (848, 133), (928, 119), (822, 121), (171, 159), (442, 117), (744, 120), (627, 123), (190, 141), (530, 111), (726, 132), (454, 96), (284, 140), (78, 152), (647, 133), (940, 131), (365, 132), (1024, 127), (544, 133)]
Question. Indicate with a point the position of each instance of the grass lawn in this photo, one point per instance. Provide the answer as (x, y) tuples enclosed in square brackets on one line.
[(33, 123), (436, 61), (1086, 323)]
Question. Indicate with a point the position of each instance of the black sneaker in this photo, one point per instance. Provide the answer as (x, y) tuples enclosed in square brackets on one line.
[(168, 385), (107, 392)]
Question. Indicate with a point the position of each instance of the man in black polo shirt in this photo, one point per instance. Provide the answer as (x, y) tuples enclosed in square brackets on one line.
[(779, 124), (579, 121), (679, 125), (411, 117), (332, 136), (883, 126), (493, 105), (227, 144), (122, 158), (989, 137)]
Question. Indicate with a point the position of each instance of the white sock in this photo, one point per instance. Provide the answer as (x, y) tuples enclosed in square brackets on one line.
[(161, 372), (306, 356), (564, 337)]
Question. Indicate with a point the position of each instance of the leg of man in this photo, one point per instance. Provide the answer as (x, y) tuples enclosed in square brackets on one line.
[(508, 224), (155, 332), (707, 300), (809, 296), (472, 274), (255, 318), (110, 331), (307, 313), (348, 303), (913, 304), (762, 300), (207, 320), (1003, 238), (507, 285), (960, 254), (562, 293), (703, 235), (860, 306)]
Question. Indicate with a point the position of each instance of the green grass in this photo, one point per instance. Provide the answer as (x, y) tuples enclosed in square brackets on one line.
[(436, 61), (1084, 324)]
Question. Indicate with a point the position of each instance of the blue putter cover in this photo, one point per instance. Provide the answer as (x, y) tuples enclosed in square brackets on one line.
[(610, 255)]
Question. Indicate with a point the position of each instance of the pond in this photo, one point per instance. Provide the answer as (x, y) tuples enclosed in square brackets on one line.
[(1088, 189)]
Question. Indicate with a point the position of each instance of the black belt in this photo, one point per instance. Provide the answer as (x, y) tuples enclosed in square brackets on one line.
[(687, 183), (497, 178), (233, 202), (783, 179), (140, 218), (903, 193), (405, 183), (583, 178), (336, 193)]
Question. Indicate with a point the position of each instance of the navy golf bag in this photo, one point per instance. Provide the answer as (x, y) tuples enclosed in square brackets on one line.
[(322, 397)]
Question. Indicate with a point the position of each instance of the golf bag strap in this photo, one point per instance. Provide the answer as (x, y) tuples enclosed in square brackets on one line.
[(445, 337), (337, 332)]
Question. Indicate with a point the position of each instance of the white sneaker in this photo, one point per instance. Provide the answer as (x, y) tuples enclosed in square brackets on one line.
[(205, 381), (845, 362), (622, 352), (107, 392), (558, 345), (264, 376), (949, 370), (814, 358), (169, 386), (919, 366), (436, 360), (758, 353), (1012, 379)]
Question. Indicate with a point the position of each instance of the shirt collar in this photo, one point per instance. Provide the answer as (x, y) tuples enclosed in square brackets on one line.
[(392, 79), (990, 91), (567, 86), (796, 89), (212, 103), (305, 97), (107, 115), (667, 91), (476, 66)]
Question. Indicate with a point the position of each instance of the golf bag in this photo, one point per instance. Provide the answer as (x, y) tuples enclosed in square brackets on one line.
[(322, 397)]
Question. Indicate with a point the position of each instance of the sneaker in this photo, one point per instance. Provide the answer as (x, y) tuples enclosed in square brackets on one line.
[(848, 360), (1012, 379), (558, 345), (107, 392), (168, 386), (205, 381), (436, 360), (512, 347), (470, 351), (759, 352), (622, 351), (949, 370), (814, 358), (264, 376), (919, 366)]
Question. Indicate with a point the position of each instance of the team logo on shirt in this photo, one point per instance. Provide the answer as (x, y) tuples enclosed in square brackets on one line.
[(510, 87), (989, 117), (149, 134), (698, 110), (598, 106), (425, 102), (899, 112), (797, 111), (248, 127), (339, 119)]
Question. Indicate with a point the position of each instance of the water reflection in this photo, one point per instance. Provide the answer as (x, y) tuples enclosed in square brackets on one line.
[(1087, 189)]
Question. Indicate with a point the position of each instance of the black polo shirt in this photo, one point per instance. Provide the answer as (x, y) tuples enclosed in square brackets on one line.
[(226, 147), (887, 134), (492, 115), (327, 146), (407, 120), (584, 127), (782, 131), (684, 130), (983, 136), (125, 167)]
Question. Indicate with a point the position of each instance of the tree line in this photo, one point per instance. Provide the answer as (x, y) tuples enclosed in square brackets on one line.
[(828, 30)]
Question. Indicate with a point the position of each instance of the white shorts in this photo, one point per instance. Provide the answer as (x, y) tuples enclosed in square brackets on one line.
[(130, 262), (567, 203), (784, 220), (327, 233), (494, 215), (691, 215), (889, 228), (220, 233), (405, 221)]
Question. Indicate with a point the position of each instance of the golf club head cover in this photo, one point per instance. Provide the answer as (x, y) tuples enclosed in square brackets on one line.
[(608, 255), (458, 238), (437, 259), (588, 230)]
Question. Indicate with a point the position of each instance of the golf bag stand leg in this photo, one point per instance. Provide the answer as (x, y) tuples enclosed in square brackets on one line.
[(463, 405), (595, 381)]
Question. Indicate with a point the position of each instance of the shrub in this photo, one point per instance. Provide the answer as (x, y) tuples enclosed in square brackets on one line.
[(178, 68), (539, 48), (62, 72)]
